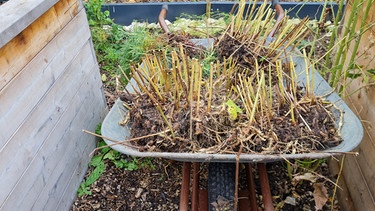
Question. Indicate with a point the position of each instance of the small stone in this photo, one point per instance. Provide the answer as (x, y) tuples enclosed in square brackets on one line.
[(139, 192), (290, 200)]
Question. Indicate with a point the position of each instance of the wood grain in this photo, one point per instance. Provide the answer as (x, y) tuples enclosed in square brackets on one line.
[(77, 141), (20, 97), (359, 171), (35, 37), (42, 121), (50, 89), (47, 147), (16, 15)]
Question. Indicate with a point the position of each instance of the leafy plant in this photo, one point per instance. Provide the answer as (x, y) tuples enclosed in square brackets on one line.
[(114, 46), (345, 39), (303, 166), (98, 163), (83, 190)]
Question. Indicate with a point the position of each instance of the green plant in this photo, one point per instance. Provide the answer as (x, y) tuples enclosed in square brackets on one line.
[(83, 190), (345, 40), (114, 46), (303, 166), (98, 163)]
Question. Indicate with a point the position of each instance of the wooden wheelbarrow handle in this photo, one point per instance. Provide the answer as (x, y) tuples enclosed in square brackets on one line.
[(280, 16), (162, 16)]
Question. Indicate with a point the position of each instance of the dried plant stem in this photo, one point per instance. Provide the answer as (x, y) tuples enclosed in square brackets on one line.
[(337, 181), (210, 88), (152, 98), (257, 96), (122, 142), (191, 93)]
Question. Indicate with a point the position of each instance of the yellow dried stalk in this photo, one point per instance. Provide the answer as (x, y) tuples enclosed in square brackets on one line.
[(210, 87), (257, 96)]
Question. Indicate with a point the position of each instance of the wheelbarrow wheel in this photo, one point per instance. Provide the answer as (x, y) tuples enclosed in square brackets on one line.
[(221, 186)]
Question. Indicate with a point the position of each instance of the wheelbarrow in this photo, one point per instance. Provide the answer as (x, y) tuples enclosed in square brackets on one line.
[(351, 131)]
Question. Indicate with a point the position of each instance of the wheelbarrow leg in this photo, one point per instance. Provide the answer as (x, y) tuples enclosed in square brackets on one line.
[(251, 187), (184, 197), (265, 185), (195, 193)]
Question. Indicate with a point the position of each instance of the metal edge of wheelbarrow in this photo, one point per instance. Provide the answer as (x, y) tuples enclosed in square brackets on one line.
[(351, 131)]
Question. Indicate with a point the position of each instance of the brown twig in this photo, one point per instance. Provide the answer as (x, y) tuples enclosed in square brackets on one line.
[(121, 142)]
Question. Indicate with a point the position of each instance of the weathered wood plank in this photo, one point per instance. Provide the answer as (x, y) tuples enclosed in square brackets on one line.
[(53, 191), (29, 138), (69, 194), (20, 96), (16, 15), (362, 102), (359, 171), (80, 113), (342, 193), (63, 158), (31, 40), (358, 189)]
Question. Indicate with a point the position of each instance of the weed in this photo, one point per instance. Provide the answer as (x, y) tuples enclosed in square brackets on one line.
[(299, 167), (98, 163), (83, 190), (114, 46)]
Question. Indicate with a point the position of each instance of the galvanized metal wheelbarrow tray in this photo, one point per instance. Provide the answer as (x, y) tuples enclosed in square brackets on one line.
[(351, 131)]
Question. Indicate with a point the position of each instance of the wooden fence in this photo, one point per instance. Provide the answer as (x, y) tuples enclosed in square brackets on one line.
[(50, 89), (358, 172)]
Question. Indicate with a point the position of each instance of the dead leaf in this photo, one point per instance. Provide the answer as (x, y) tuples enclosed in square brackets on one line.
[(139, 192), (307, 176), (221, 204), (320, 195)]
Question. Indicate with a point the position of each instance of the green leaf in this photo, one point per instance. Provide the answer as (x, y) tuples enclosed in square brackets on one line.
[(96, 160), (233, 109), (371, 71), (104, 78), (131, 166), (120, 163), (109, 155), (116, 154), (98, 129), (83, 190), (95, 174), (353, 75), (105, 149)]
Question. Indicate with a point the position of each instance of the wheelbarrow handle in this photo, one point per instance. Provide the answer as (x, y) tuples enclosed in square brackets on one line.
[(280, 16), (162, 16), (274, 3)]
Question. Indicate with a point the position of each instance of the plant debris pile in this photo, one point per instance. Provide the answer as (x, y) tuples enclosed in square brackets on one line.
[(250, 102), (190, 48)]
